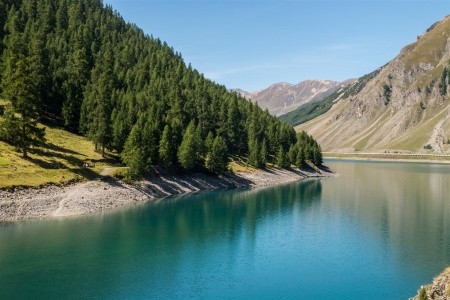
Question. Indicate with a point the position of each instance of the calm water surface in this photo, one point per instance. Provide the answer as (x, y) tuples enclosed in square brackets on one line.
[(377, 232)]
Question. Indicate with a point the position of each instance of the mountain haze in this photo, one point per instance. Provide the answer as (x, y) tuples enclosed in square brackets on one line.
[(281, 98), (404, 107)]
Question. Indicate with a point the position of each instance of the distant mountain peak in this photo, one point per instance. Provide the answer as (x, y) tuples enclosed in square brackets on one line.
[(283, 97), (403, 106)]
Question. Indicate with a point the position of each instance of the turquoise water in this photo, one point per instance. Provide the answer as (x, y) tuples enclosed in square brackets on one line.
[(377, 232)]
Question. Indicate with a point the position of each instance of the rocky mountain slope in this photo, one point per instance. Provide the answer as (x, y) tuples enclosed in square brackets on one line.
[(403, 108), (281, 98)]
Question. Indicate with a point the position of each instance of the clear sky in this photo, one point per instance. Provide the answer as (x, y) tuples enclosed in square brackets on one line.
[(252, 44)]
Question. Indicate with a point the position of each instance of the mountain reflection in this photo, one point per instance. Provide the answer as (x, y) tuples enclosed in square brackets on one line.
[(388, 223), (407, 205)]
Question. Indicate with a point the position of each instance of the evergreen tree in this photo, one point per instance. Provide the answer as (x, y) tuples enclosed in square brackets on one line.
[(263, 154), (253, 158), (300, 159), (209, 141), (282, 160), (73, 86), (317, 156), (96, 113), (141, 149), (167, 153), (188, 154), (308, 153), (10, 127), (292, 155), (20, 87), (217, 158)]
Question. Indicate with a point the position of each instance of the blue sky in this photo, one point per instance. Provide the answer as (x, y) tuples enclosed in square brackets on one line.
[(254, 43)]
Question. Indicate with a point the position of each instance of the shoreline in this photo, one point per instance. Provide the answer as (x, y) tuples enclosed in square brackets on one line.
[(109, 194), (399, 158), (438, 289)]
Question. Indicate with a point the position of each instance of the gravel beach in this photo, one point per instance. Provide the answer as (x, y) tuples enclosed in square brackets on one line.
[(103, 195)]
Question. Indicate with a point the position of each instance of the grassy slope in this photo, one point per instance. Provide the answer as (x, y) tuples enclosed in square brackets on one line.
[(417, 125), (59, 161), (313, 110)]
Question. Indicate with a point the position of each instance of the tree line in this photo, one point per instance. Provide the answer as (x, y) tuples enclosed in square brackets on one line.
[(77, 63)]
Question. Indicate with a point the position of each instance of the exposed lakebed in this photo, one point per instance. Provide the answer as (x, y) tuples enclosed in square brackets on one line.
[(377, 232)]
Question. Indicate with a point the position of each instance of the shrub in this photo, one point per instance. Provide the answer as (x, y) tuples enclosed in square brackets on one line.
[(423, 294)]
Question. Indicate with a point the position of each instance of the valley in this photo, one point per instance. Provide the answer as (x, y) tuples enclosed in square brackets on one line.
[(403, 108)]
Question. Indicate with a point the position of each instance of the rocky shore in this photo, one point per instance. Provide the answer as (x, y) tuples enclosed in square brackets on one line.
[(107, 194), (438, 290)]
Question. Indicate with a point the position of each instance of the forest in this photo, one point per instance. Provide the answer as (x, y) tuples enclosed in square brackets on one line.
[(79, 65)]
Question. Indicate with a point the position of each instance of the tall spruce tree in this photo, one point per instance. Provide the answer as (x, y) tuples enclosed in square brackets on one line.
[(21, 124), (282, 159), (98, 104), (217, 158), (188, 153), (300, 159), (167, 152)]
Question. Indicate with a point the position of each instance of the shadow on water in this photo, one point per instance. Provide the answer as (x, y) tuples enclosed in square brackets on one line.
[(387, 223), (208, 214), (78, 253)]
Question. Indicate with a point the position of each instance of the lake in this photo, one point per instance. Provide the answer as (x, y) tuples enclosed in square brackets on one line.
[(377, 232)]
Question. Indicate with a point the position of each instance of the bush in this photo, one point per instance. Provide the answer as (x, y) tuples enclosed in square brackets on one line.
[(428, 147), (423, 294)]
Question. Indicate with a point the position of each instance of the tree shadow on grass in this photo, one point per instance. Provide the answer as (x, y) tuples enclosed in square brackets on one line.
[(52, 164), (51, 154), (53, 147), (87, 173)]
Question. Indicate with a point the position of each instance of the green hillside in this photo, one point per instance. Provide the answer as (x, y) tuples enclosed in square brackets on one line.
[(77, 65), (65, 157)]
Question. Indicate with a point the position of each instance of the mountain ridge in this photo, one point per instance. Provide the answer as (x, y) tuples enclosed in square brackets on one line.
[(403, 108), (282, 97)]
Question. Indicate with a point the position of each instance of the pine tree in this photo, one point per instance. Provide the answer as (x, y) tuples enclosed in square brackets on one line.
[(263, 154), (20, 87), (141, 149), (253, 153), (97, 107), (209, 141), (308, 153), (292, 155), (167, 153), (282, 161), (317, 156), (73, 86), (10, 127), (300, 159), (188, 151), (217, 158), (232, 124)]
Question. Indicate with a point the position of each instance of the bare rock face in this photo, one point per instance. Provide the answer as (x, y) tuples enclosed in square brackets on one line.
[(281, 98), (404, 108), (438, 290)]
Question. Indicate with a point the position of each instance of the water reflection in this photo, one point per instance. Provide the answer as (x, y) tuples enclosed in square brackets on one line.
[(152, 239), (386, 222), (405, 204)]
